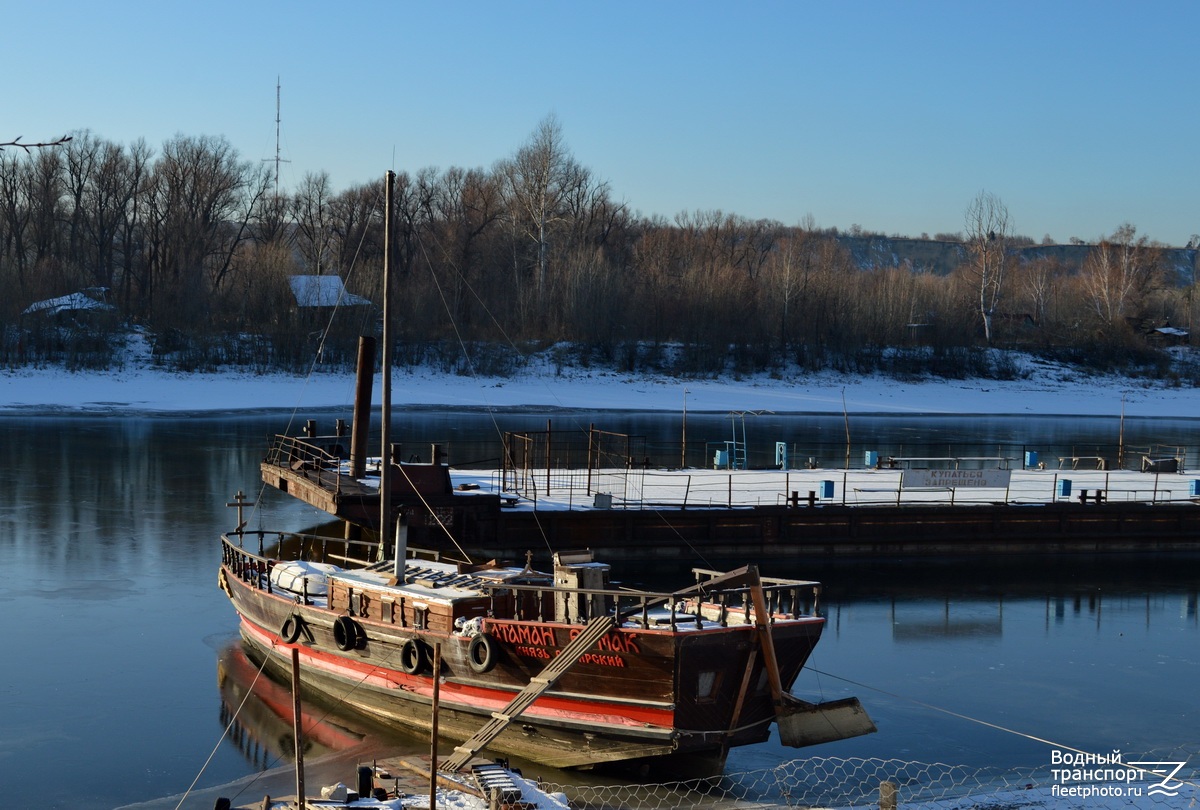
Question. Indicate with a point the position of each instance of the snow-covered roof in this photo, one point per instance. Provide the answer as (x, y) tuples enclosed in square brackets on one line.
[(1172, 330), (324, 291), (75, 302)]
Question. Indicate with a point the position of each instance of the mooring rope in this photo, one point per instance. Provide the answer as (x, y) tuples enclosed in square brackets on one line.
[(224, 734), (987, 723)]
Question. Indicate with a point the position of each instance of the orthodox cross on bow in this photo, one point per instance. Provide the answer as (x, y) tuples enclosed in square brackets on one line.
[(241, 503)]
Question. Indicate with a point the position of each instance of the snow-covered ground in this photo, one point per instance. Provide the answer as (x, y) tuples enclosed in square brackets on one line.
[(1048, 390)]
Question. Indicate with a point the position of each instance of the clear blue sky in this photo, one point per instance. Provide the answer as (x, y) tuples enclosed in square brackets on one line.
[(892, 115)]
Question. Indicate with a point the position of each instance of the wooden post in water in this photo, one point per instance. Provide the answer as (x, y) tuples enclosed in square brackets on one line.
[(433, 732), (846, 417), (591, 454), (361, 421), (683, 434), (297, 727)]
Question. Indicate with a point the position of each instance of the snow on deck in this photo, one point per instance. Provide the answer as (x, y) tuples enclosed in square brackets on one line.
[(700, 488)]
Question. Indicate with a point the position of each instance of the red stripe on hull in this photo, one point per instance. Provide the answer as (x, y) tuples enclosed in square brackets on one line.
[(465, 697)]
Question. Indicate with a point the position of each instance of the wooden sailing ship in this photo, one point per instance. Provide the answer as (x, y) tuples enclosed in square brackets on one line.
[(578, 671)]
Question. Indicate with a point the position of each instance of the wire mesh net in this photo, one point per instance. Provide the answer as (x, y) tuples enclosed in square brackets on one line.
[(822, 782)]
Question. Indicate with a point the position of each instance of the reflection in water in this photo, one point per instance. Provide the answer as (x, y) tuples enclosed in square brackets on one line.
[(913, 622), (259, 714)]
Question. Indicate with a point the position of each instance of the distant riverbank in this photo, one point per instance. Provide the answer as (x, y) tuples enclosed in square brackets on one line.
[(1047, 390)]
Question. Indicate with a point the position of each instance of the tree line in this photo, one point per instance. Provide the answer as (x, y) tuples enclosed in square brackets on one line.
[(195, 245)]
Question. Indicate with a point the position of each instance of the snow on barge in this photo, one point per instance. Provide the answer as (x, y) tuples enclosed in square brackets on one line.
[(647, 515)]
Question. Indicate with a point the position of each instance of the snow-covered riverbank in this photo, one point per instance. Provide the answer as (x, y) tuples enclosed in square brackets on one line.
[(1047, 390)]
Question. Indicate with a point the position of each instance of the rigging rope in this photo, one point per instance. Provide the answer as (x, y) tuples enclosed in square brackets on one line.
[(358, 249), (512, 344), (986, 723), (224, 734)]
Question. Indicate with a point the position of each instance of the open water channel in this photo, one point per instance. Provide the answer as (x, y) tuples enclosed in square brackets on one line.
[(119, 668)]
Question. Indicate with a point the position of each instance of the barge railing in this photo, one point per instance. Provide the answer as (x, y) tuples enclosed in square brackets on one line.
[(298, 455), (708, 489)]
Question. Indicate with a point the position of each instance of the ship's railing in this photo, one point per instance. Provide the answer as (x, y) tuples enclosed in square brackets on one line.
[(313, 461), (786, 600), (254, 568)]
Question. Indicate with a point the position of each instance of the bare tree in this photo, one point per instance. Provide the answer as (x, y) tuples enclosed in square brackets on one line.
[(108, 193), (1118, 272), (988, 233), (15, 213), (313, 212), (202, 200), (1036, 280), (467, 204), (538, 182)]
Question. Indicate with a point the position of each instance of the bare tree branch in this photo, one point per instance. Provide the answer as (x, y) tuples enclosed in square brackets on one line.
[(27, 146)]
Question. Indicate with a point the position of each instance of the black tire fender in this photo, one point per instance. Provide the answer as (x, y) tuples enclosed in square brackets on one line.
[(346, 633), (293, 626), (412, 656), (481, 653)]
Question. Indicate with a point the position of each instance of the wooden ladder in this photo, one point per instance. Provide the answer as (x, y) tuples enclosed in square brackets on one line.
[(594, 631)]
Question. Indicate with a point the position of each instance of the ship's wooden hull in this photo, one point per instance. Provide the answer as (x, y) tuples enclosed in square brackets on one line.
[(672, 697)]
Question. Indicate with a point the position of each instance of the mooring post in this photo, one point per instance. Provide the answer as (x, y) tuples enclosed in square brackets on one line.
[(887, 795), (433, 731), (591, 454), (297, 727), (360, 422)]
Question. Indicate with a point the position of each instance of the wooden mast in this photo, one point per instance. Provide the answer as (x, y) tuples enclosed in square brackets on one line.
[(385, 406)]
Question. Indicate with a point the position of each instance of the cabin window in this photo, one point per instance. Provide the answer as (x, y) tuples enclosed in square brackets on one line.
[(420, 617), (706, 686)]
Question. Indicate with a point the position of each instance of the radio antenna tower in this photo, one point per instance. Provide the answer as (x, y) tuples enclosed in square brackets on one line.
[(278, 159)]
